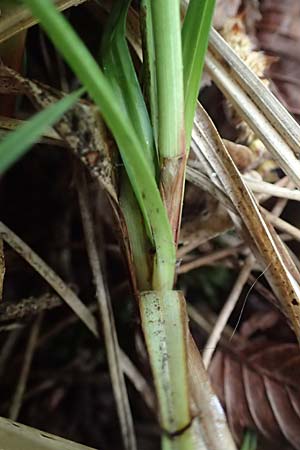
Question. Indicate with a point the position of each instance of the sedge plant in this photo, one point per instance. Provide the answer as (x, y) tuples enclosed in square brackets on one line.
[(151, 125)]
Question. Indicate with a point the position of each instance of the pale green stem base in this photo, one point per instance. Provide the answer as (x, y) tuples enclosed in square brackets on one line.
[(164, 323)]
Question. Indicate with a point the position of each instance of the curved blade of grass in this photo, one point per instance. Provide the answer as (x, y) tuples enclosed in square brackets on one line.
[(18, 142), (118, 66), (82, 128), (195, 34), (141, 178), (119, 69)]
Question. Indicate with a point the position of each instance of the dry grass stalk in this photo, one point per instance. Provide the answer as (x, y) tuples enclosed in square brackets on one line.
[(106, 313), (22, 382)]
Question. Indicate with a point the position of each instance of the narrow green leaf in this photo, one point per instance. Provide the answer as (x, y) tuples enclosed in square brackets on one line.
[(18, 142), (137, 167), (119, 70), (139, 243), (195, 34), (168, 53), (118, 66)]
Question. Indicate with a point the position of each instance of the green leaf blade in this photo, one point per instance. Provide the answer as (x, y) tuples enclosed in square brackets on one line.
[(18, 142), (119, 68), (195, 34), (142, 180)]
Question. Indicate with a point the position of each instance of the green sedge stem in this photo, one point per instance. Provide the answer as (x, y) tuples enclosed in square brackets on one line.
[(167, 42), (141, 178)]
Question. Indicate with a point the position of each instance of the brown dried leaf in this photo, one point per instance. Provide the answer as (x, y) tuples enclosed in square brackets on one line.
[(204, 227), (243, 156), (264, 243), (260, 322), (259, 389)]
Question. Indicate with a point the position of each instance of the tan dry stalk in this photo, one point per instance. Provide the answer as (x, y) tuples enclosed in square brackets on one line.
[(255, 230), (50, 276), (25, 370), (227, 309), (15, 18), (207, 407), (107, 318)]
